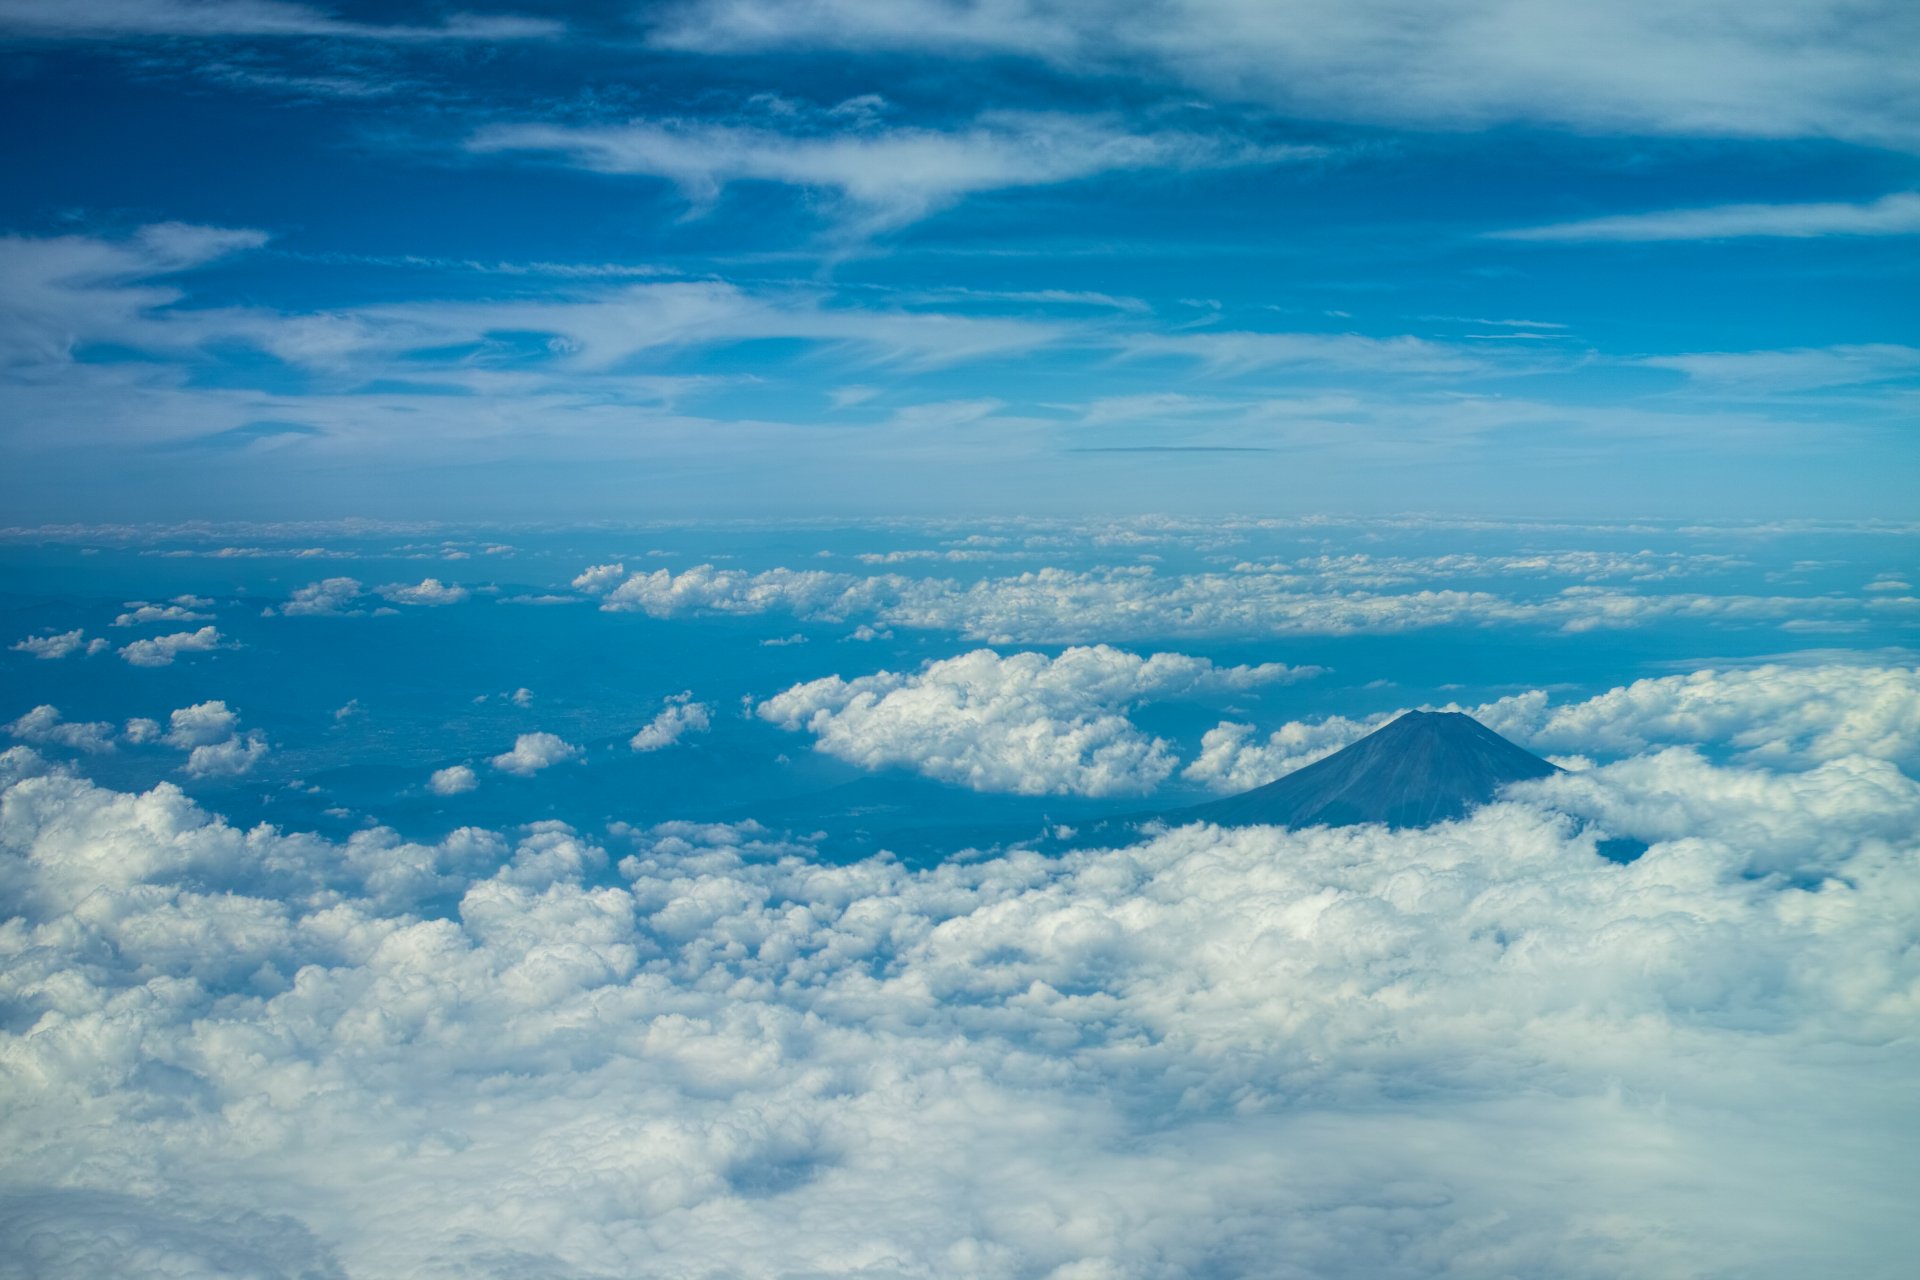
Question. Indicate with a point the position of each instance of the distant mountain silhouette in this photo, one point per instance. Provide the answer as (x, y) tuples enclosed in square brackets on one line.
[(1426, 766)]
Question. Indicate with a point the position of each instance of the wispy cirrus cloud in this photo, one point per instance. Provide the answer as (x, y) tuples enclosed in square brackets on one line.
[(116, 19), (886, 176), (1800, 369), (1891, 215), (1774, 69)]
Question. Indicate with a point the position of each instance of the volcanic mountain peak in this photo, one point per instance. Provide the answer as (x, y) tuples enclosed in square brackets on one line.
[(1425, 766)]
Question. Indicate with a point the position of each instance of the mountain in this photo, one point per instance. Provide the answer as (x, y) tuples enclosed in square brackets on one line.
[(1426, 766)]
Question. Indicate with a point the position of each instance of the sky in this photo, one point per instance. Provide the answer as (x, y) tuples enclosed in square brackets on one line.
[(611, 617), (276, 260)]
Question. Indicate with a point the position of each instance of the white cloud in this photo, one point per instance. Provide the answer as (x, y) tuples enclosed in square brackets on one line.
[(1784, 69), (43, 725), (58, 645), (160, 651), (681, 716), (1246, 352), (533, 752), (600, 578), (1061, 606), (228, 758), (452, 780), (1892, 215), (210, 734), (428, 591), (882, 176), (328, 597), (1474, 1050), (141, 612), (213, 19), (1024, 723), (202, 723), (1809, 368), (1773, 713)]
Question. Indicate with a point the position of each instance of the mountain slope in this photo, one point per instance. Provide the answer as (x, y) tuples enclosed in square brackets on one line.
[(1427, 766)]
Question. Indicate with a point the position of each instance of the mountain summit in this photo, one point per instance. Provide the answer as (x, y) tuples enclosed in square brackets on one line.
[(1426, 766)]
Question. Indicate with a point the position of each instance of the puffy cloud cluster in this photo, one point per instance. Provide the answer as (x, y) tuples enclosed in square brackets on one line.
[(1777, 714), (533, 752), (61, 644), (681, 716), (160, 651), (179, 609), (209, 732), (453, 780), (427, 591), (1024, 723), (1774, 713), (1061, 606), (328, 597), (44, 726), (1474, 1050)]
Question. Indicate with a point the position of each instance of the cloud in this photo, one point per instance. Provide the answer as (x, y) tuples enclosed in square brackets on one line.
[(428, 591), (1892, 215), (1781, 715), (452, 780), (881, 176), (58, 645), (681, 716), (210, 734), (202, 723), (1242, 352), (1063, 606), (43, 726), (329, 597), (533, 752), (1471, 1050), (141, 612), (1024, 723), (236, 19), (71, 292), (160, 651), (1788, 70), (1811, 368)]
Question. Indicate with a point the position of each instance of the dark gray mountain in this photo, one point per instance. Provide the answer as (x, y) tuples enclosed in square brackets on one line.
[(1427, 766)]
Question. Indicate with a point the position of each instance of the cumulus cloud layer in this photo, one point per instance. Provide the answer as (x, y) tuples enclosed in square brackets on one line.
[(1326, 596), (1476, 1050), (1024, 723)]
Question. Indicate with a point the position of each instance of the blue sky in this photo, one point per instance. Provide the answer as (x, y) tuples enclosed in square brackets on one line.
[(841, 258)]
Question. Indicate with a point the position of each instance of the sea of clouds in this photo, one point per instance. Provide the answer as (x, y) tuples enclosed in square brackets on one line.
[(1480, 1049)]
